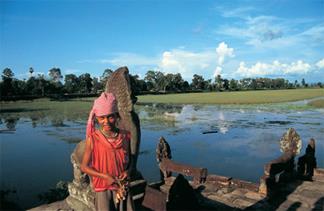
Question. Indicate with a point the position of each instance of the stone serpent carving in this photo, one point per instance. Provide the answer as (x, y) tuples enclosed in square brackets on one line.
[(119, 84)]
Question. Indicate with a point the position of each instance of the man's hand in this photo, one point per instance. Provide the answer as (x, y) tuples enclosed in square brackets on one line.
[(110, 179), (123, 175)]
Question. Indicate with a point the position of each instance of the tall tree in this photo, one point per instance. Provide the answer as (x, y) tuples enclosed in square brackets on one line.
[(19, 87), (150, 76), (157, 79), (55, 74), (245, 83), (296, 84), (31, 70), (219, 82), (71, 83), (96, 85), (198, 82), (225, 84), (6, 85), (233, 84), (177, 81), (105, 75), (303, 82), (208, 85), (7, 73), (185, 86), (85, 85), (161, 82), (42, 84), (253, 84)]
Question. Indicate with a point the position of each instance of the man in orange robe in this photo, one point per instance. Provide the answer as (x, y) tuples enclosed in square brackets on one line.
[(107, 156)]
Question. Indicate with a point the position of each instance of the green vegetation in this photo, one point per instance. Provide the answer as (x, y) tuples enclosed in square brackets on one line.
[(243, 97), (154, 82), (317, 103), (46, 104)]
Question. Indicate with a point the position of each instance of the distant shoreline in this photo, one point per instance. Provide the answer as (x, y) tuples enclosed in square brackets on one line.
[(239, 97), (207, 98)]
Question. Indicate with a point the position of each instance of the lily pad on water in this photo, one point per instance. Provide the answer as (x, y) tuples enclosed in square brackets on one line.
[(280, 122)]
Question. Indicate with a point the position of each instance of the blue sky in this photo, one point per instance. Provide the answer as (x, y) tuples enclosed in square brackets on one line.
[(233, 38)]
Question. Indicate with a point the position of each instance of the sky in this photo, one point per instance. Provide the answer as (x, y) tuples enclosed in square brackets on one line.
[(235, 39)]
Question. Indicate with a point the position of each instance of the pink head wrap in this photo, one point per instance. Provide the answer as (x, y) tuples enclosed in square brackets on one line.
[(104, 105)]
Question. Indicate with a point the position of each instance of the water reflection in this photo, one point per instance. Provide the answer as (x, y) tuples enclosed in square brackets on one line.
[(11, 123)]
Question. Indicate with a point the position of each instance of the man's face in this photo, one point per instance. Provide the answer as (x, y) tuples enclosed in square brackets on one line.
[(108, 122)]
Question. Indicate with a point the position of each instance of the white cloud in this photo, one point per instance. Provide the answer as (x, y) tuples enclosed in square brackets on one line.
[(186, 62), (320, 64), (273, 32), (275, 68), (218, 71), (261, 28), (298, 67), (223, 51), (315, 33), (240, 12), (189, 63), (177, 60)]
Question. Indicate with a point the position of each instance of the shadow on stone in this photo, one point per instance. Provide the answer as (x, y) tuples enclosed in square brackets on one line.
[(294, 206), (319, 204), (182, 195)]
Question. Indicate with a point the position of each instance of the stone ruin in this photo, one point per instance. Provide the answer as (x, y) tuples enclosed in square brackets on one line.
[(81, 196), (283, 168)]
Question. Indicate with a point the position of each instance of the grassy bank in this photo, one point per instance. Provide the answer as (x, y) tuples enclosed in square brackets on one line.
[(78, 107), (241, 97), (317, 103)]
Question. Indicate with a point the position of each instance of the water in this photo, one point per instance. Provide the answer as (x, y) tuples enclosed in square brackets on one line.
[(35, 151)]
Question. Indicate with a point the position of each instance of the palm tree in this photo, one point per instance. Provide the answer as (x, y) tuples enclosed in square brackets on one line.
[(31, 70)]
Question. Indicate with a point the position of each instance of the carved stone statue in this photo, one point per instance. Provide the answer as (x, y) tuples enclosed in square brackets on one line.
[(119, 84), (307, 163), (81, 196), (291, 142), (282, 168), (163, 150)]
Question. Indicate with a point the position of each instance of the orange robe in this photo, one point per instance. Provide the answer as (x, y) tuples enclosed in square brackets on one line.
[(109, 156)]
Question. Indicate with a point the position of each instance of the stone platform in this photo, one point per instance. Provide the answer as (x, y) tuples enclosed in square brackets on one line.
[(241, 195)]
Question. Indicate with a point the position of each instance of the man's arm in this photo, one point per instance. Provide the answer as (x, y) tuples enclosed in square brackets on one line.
[(127, 171), (87, 169)]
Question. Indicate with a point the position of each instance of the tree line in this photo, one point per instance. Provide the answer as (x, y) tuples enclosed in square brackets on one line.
[(153, 82)]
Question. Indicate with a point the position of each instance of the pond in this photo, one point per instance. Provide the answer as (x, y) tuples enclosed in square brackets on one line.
[(36, 141)]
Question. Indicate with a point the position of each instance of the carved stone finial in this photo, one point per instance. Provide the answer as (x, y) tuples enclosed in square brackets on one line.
[(163, 150), (291, 142)]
